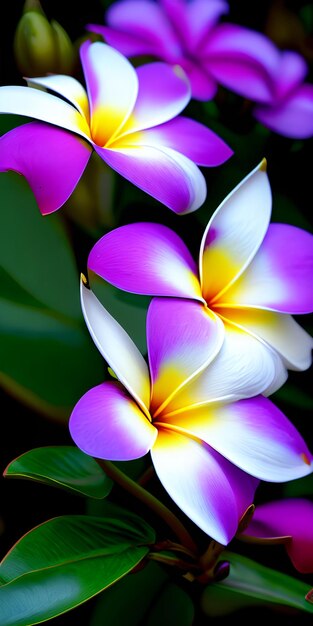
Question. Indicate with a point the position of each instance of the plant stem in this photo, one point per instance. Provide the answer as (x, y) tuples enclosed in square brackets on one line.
[(151, 501)]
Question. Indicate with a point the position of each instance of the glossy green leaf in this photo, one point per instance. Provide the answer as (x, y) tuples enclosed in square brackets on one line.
[(47, 361), (131, 599), (146, 597), (49, 272), (64, 562), (174, 606), (250, 583), (62, 466)]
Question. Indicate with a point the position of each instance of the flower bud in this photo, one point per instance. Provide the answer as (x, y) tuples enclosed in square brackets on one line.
[(41, 47)]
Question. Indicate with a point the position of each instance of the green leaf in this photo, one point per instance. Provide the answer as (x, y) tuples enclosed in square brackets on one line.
[(146, 597), (174, 606), (62, 466), (64, 562), (43, 358), (45, 343), (35, 250), (250, 583), (130, 600)]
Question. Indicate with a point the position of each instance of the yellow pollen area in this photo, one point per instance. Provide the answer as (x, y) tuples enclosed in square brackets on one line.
[(305, 458), (82, 124), (168, 380), (218, 269), (253, 318), (105, 124), (133, 140)]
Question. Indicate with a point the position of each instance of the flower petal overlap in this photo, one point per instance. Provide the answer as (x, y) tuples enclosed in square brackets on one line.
[(252, 274), (209, 452)]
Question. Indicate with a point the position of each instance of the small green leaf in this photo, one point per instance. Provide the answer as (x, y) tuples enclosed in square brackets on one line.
[(62, 466), (64, 562), (250, 583)]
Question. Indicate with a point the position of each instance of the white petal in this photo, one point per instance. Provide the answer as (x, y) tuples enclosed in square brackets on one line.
[(235, 233), (112, 86), (117, 348), (244, 367), (67, 87), (44, 107), (280, 331)]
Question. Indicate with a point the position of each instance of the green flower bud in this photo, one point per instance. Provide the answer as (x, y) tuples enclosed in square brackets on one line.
[(65, 48), (41, 47)]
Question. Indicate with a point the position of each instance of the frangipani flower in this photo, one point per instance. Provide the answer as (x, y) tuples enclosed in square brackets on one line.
[(210, 443), (128, 116), (252, 274), (187, 32), (288, 521)]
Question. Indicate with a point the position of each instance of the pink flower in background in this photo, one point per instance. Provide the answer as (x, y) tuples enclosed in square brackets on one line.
[(129, 117), (288, 521), (188, 33), (209, 440), (252, 274)]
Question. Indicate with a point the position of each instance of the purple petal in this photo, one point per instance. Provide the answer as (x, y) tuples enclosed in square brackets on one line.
[(164, 174), (108, 424), (253, 434), (193, 20), (52, 161), (291, 72), (276, 279), (125, 42), (202, 17), (155, 106), (190, 138), (203, 86), (148, 259), (212, 492), (183, 337), (293, 117), (176, 11), (292, 517), (242, 60), (145, 21)]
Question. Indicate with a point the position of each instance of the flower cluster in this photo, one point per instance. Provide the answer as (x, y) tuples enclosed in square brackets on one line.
[(221, 333), (212, 53)]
